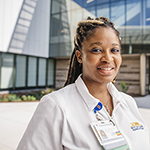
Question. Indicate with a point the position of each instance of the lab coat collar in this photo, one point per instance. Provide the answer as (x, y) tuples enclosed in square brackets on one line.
[(116, 95), (89, 100)]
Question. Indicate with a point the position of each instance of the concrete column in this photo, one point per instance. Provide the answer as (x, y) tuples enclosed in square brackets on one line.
[(143, 74), (130, 45)]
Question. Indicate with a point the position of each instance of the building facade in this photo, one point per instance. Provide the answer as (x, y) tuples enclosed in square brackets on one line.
[(37, 40), (24, 45), (131, 18)]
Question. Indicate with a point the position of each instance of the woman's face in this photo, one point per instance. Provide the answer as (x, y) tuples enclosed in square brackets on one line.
[(100, 56)]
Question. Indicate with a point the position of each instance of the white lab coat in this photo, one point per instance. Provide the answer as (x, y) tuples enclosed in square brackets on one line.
[(62, 120)]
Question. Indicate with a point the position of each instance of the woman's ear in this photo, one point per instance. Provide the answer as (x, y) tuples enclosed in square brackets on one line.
[(79, 56)]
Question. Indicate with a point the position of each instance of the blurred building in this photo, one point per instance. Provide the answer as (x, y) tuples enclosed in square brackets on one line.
[(36, 40), (24, 44)]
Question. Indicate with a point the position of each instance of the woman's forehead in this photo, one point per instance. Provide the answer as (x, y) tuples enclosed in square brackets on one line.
[(101, 37), (101, 32)]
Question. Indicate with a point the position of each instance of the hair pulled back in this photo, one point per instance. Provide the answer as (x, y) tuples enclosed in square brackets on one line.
[(84, 30)]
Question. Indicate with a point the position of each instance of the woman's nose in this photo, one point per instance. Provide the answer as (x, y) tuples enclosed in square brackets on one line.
[(107, 57)]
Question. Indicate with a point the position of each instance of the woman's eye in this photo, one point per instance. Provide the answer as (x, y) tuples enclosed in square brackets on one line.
[(96, 50), (115, 50)]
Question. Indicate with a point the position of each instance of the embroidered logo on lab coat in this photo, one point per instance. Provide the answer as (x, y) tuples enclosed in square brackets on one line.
[(136, 126)]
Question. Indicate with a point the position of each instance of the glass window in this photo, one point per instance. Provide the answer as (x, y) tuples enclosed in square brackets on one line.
[(60, 6), (55, 25), (55, 6), (60, 28), (103, 10), (87, 3), (102, 2), (133, 12), (118, 13), (76, 16), (68, 4), (61, 49), (60, 35), (146, 35), (7, 71), (87, 14), (65, 46), (20, 71), (32, 63), (50, 72), (65, 27), (147, 12), (54, 50), (65, 5), (76, 4), (42, 72), (90, 11)]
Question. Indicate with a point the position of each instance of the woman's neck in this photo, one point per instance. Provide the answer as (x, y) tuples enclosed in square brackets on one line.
[(98, 90)]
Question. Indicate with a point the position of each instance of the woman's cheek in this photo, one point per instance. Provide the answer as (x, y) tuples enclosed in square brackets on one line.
[(91, 59)]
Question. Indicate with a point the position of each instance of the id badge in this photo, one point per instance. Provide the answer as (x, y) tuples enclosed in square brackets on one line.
[(109, 136)]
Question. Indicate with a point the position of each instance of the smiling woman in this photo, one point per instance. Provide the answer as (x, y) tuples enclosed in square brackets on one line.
[(89, 113), (87, 32), (97, 53), (100, 60)]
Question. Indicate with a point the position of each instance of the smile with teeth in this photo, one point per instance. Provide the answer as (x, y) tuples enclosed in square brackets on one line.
[(107, 69)]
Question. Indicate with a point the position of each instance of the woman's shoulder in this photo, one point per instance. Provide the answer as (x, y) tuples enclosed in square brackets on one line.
[(121, 96), (129, 99), (59, 97), (127, 96)]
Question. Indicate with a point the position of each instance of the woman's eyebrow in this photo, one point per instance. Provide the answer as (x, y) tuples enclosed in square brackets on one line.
[(97, 43), (115, 44)]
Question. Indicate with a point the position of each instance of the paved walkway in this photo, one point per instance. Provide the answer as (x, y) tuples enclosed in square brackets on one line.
[(14, 118)]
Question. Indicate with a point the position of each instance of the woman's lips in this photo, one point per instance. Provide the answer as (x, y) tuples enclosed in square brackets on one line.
[(106, 70)]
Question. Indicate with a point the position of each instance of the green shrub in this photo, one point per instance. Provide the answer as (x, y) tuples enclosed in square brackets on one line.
[(37, 97), (28, 98), (10, 98), (3, 99), (41, 93), (24, 97), (31, 98), (44, 92), (124, 86)]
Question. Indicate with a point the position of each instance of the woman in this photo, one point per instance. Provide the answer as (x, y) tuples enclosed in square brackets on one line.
[(64, 118)]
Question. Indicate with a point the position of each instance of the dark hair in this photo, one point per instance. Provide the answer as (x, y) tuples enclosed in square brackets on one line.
[(84, 30)]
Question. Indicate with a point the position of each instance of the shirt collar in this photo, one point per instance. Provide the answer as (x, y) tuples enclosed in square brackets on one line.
[(89, 100), (116, 95)]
